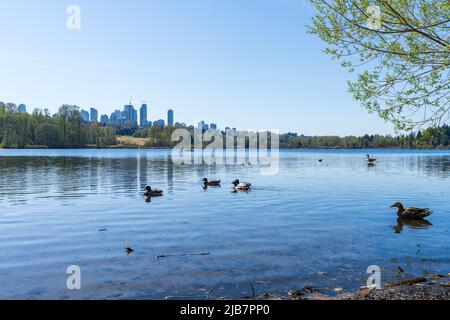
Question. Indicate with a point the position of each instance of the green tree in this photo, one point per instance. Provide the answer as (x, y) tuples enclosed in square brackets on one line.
[(402, 49)]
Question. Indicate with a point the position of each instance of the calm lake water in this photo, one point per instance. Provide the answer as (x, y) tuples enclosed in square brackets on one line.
[(318, 224)]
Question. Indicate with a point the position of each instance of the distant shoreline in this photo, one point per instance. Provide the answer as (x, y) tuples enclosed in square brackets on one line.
[(135, 147)]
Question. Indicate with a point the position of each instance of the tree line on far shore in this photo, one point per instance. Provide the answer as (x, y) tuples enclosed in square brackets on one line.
[(431, 138), (66, 129)]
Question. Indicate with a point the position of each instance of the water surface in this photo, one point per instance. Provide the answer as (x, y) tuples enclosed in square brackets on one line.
[(318, 224)]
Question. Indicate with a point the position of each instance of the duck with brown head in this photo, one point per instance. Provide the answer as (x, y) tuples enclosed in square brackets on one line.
[(411, 212), (212, 183)]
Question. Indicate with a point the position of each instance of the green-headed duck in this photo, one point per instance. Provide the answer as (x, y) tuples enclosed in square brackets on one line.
[(148, 192), (241, 186), (370, 160)]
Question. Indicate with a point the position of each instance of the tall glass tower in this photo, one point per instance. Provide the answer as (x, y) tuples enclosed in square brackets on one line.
[(143, 115), (170, 117)]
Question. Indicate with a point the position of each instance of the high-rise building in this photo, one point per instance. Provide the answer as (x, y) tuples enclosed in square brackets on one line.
[(104, 119), (201, 125), (170, 117), (160, 123), (94, 115), (84, 115), (213, 126), (134, 120), (123, 117), (130, 113), (22, 108), (143, 115), (115, 118)]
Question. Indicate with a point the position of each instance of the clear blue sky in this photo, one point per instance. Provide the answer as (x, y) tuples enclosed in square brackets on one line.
[(241, 63)]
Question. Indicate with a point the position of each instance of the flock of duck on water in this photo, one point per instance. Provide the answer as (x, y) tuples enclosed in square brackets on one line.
[(409, 213)]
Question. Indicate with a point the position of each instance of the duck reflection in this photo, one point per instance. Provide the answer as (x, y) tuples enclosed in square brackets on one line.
[(412, 224)]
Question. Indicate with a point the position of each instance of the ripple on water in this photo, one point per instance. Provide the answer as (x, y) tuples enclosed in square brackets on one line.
[(313, 223)]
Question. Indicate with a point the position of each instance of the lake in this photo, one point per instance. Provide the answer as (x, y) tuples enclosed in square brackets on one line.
[(313, 223)]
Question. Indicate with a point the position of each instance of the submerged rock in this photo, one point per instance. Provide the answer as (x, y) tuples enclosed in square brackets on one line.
[(300, 294)]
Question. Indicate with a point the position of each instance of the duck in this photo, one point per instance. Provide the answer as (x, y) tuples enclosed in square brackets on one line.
[(148, 192), (212, 183), (241, 186), (370, 160), (411, 213)]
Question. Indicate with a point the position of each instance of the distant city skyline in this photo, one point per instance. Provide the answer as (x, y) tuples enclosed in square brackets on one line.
[(127, 117), (251, 68)]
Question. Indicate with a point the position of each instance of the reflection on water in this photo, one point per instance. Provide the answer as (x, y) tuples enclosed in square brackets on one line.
[(413, 224), (320, 223)]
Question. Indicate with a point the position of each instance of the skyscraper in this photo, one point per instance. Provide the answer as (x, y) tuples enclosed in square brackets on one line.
[(94, 115), (170, 117), (115, 118), (160, 123), (84, 115), (213, 126), (134, 120), (104, 119), (130, 113), (143, 115), (201, 125), (22, 108)]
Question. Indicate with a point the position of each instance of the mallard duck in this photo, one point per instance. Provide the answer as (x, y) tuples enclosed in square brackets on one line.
[(241, 186), (212, 183), (411, 213), (148, 192), (370, 160)]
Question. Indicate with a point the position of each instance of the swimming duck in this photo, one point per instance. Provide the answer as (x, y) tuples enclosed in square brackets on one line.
[(148, 192), (370, 160), (212, 183), (241, 186), (411, 213)]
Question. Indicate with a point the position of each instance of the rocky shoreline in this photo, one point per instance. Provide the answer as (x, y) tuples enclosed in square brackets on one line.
[(432, 287)]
